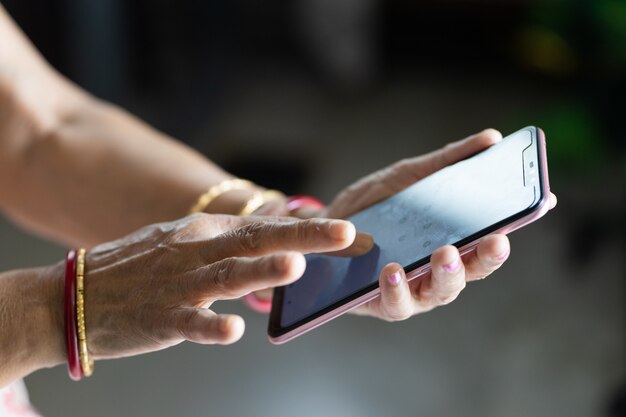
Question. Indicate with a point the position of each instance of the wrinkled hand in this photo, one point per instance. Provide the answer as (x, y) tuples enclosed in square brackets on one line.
[(153, 289), (400, 299)]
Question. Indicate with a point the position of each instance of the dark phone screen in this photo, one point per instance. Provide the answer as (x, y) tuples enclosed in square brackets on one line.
[(444, 208)]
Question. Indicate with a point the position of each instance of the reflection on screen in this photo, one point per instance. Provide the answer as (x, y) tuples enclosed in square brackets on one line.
[(444, 208)]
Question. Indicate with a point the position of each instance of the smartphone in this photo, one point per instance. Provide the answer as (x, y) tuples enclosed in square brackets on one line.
[(497, 190)]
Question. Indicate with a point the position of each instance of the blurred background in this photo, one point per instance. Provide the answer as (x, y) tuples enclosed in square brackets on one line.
[(307, 96)]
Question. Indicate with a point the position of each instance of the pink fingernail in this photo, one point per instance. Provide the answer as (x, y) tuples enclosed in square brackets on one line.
[(453, 266), (503, 256), (395, 278)]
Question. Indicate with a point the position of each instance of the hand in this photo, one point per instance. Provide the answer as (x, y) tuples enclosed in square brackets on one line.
[(399, 299), (153, 289)]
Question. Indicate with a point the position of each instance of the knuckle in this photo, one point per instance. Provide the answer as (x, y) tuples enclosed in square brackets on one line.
[(444, 154), (398, 315), (486, 265), (449, 146), (398, 309), (303, 230), (479, 277), (450, 294), (222, 274), (403, 173), (194, 221), (445, 299), (400, 167), (249, 236), (185, 324), (194, 226), (405, 165), (226, 222)]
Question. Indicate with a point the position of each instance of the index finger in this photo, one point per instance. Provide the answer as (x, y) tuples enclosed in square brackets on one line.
[(235, 277), (263, 238), (422, 166)]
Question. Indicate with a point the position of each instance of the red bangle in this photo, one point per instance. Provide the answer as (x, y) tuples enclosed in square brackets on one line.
[(71, 339), (297, 202)]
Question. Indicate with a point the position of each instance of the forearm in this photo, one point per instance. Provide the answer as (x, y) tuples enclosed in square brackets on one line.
[(82, 171), (31, 321), (103, 174)]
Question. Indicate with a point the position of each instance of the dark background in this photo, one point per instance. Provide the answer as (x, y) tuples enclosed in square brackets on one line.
[(308, 95)]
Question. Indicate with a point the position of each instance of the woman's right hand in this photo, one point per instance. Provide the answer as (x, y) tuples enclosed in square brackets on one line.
[(153, 289)]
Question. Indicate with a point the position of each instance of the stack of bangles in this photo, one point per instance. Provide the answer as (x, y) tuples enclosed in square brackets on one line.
[(79, 363), (255, 202), (250, 206)]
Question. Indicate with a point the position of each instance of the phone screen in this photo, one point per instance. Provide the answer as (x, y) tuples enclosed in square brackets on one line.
[(452, 206)]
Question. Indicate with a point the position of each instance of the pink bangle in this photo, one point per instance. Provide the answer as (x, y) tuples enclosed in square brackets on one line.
[(294, 203), (71, 338), (254, 303), (297, 202)]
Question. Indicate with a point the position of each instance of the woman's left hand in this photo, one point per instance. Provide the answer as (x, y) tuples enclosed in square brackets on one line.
[(449, 272)]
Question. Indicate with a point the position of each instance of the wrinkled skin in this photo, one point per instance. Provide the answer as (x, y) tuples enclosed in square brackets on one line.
[(154, 288)]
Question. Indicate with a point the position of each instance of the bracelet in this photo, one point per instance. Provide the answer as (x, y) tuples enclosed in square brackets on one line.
[(86, 362), (296, 202), (71, 341), (257, 200), (254, 303), (218, 189)]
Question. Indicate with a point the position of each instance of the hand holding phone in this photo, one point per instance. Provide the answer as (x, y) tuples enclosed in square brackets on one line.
[(390, 298)]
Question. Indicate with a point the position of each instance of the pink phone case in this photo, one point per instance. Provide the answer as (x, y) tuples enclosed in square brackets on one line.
[(542, 208)]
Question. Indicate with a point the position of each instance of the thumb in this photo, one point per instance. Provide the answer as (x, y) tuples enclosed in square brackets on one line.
[(203, 326)]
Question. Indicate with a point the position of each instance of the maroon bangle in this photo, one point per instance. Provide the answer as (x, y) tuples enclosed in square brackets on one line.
[(71, 339), (297, 202)]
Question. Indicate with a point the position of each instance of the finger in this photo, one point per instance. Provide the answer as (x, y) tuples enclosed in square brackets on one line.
[(488, 256), (204, 326), (236, 277), (425, 165), (201, 227), (363, 243), (553, 201), (262, 238), (208, 225), (456, 151), (395, 295), (446, 280)]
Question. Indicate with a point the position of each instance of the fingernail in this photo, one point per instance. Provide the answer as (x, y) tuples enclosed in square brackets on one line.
[(395, 278), (453, 266), (503, 256)]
